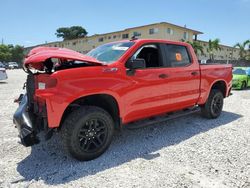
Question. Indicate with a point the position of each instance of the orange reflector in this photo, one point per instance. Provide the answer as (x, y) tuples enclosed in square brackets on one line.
[(178, 57)]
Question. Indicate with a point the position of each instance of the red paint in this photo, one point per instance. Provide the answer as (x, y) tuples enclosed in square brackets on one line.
[(139, 96)]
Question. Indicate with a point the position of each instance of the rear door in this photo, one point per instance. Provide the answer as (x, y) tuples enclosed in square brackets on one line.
[(183, 77)]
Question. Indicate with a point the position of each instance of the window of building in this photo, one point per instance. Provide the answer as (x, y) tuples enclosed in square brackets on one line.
[(170, 31), (73, 43), (125, 36), (90, 41), (109, 37), (114, 36), (185, 35), (100, 39), (136, 34), (178, 56), (153, 31)]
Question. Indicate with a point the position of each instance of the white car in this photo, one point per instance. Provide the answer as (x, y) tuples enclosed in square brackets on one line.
[(13, 65), (3, 74)]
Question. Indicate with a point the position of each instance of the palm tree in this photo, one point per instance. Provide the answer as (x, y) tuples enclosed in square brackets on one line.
[(198, 48), (243, 50), (213, 45)]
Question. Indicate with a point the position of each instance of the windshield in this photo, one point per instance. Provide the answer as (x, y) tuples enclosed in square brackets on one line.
[(109, 53), (239, 72)]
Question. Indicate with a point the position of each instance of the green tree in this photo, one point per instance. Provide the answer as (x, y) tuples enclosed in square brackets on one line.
[(17, 54), (11, 53), (71, 32), (5, 53), (243, 53), (198, 48), (213, 46)]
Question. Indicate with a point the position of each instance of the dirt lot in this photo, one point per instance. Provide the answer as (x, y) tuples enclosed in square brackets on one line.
[(186, 152)]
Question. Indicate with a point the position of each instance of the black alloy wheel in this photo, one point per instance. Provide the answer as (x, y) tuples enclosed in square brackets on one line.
[(87, 132), (217, 104), (92, 135)]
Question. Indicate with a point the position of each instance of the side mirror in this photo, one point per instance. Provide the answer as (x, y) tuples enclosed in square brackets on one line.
[(135, 64)]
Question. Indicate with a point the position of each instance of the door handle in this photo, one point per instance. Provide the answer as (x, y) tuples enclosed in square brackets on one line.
[(194, 73), (163, 76)]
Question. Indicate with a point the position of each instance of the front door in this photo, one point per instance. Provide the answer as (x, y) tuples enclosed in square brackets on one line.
[(148, 93)]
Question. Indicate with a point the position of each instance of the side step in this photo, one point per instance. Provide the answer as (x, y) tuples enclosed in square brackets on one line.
[(160, 119)]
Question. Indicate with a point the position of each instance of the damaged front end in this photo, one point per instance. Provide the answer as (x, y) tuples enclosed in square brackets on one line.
[(30, 117), (23, 121), (41, 65)]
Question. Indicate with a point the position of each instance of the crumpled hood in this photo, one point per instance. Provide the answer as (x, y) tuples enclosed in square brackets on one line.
[(38, 55)]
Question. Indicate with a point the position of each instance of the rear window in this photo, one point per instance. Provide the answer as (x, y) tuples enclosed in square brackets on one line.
[(177, 55)]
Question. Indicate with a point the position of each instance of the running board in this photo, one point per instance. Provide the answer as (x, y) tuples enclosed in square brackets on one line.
[(160, 119)]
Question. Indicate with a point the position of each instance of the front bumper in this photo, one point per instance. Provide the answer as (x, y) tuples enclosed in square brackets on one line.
[(23, 122)]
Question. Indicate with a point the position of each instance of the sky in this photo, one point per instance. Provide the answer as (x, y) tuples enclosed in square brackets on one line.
[(32, 22)]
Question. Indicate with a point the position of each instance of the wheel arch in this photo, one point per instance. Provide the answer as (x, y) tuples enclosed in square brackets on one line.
[(220, 85), (102, 100)]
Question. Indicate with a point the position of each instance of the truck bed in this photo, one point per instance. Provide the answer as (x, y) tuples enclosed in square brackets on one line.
[(210, 73)]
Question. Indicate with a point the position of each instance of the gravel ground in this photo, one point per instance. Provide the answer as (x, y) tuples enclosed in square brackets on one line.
[(186, 152)]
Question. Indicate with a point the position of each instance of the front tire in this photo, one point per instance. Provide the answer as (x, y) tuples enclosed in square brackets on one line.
[(213, 107), (87, 132)]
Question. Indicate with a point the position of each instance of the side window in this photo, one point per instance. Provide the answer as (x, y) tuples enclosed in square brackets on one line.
[(177, 55), (151, 54)]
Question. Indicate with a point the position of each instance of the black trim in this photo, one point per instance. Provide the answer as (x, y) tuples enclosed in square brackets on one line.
[(23, 122)]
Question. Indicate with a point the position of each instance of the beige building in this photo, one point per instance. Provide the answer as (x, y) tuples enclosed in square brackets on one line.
[(225, 53), (162, 30)]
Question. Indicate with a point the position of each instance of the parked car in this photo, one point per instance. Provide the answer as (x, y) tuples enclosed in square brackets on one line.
[(248, 71), (12, 65), (2, 65), (240, 78), (3, 74), (87, 97)]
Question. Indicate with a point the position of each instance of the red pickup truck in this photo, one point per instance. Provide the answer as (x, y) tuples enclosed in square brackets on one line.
[(87, 97)]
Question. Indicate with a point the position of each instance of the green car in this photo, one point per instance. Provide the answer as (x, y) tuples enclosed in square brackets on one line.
[(240, 79)]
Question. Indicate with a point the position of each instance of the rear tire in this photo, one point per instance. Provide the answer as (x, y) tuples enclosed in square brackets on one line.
[(213, 107), (87, 132), (243, 85)]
